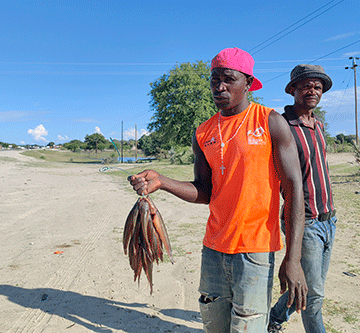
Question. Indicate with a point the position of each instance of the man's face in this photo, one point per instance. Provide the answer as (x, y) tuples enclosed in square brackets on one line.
[(228, 87), (307, 93)]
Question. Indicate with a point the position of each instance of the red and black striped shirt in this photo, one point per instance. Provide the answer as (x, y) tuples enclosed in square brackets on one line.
[(311, 147)]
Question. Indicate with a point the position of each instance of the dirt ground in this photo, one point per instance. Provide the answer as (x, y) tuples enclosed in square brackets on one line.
[(62, 266)]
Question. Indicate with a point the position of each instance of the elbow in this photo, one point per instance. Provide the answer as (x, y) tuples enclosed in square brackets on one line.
[(203, 194), (202, 199), (292, 188)]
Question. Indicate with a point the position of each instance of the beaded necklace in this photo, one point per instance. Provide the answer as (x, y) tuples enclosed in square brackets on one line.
[(222, 144)]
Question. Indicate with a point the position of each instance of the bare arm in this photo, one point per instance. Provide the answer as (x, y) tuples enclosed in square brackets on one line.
[(288, 167), (197, 191)]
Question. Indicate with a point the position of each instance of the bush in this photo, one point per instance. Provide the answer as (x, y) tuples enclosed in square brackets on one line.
[(181, 155)]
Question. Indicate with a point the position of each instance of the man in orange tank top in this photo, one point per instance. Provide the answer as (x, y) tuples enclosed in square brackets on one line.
[(241, 154)]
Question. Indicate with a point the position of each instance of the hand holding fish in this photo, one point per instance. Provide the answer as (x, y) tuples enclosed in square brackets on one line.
[(145, 182)]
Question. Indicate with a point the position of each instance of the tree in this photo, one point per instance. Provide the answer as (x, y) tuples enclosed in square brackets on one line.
[(153, 145), (181, 101), (95, 141), (321, 114), (73, 145), (4, 144), (51, 144), (251, 98)]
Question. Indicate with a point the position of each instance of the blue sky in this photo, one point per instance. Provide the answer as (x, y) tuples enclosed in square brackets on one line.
[(71, 68)]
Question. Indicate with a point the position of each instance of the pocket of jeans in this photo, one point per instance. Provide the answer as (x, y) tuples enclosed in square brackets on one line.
[(334, 219), (261, 258)]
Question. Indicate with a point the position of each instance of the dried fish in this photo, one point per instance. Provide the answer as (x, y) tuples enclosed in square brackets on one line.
[(144, 236)]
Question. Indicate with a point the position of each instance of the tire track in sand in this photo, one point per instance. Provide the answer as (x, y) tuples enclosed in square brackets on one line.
[(34, 320)]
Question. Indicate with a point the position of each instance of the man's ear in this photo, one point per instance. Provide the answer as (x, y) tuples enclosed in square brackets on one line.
[(291, 90), (249, 80)]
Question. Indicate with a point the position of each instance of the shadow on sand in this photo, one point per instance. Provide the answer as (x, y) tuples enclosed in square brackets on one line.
[(99, 314)]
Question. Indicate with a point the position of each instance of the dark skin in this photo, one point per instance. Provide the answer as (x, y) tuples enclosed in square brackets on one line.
[(307, 95), (229, 88)]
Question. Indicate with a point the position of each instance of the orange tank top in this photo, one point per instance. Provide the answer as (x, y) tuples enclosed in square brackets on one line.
[(244, 204)]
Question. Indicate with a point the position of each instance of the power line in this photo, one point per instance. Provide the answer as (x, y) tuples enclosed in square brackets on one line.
[(342, 98), (341, 48), (324, 56), (294, 25)]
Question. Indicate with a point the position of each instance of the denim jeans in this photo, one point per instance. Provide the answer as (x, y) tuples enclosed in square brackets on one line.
[(315, 259), (235, 291)]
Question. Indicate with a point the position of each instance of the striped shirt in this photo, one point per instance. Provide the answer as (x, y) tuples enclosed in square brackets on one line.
[(311, 147)]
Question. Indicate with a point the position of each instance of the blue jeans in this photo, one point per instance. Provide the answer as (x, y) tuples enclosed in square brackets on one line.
[(235, 291), (315, 259)]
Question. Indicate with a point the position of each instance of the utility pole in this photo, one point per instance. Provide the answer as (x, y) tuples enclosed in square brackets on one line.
[(354, 65), (135, 143), (122, 142)]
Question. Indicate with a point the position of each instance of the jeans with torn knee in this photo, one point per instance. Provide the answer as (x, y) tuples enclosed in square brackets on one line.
[(235, 291)]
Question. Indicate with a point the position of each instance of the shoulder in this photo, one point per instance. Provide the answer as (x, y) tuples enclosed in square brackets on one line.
[(276, 119), (211, 120), (203, 127), (278, 126), (261, 109)]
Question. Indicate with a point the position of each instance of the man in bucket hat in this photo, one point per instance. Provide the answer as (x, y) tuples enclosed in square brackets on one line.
[(240, 155), (307, 84)]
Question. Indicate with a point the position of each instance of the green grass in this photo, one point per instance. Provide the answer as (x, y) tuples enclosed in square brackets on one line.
[(179, 172), (330, 329), (344, 169), (67, 156), (7, 159), (350, 319)]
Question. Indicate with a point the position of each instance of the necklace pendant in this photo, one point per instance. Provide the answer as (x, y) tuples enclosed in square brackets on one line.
[(222, 144), (222, 169)]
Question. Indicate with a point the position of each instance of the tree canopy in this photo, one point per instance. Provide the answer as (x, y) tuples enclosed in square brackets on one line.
[(181, 101), (321, 114), (96, 141), (152, 145), (73, 145)]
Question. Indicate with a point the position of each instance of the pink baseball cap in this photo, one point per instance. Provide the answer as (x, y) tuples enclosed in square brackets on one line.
[(235, 58)]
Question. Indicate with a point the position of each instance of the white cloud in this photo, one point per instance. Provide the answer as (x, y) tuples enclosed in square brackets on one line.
[(62, 138), (6, 116), (338, 97), (351, 54), (86, 120), (97, 130), (130, 134), (342, 36), (38, 133), (143, 132)]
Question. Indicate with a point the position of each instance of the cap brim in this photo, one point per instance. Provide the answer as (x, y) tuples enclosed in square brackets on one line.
[(256, 85), (325, 78)]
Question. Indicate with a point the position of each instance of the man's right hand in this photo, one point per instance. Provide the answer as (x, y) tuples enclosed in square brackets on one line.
[(145, 182)]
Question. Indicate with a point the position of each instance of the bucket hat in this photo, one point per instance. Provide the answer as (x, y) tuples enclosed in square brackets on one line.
[(304, 71), (239, 60)]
